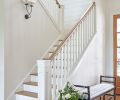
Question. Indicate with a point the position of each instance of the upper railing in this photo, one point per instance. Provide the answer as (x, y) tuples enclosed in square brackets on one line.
[(55, 12)]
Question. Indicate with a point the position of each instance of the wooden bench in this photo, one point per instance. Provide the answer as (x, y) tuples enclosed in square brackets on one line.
[(107, 84)]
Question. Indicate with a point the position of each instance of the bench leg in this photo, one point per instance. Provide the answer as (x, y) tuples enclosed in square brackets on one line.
[(104, 97), (114, 94)]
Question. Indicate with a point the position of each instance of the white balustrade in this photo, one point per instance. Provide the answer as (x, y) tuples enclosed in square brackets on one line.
[(62, 62)]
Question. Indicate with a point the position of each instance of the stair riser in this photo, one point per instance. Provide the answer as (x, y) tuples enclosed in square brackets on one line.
[(31, 88), (21, 97), (34, 78)]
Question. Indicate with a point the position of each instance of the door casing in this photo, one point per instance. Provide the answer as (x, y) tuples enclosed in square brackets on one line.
[(115, 17)]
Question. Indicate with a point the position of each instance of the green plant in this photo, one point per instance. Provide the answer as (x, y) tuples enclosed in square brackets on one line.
[(69, 93)]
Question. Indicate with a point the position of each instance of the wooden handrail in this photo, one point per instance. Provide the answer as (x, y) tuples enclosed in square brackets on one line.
[(70, 33)]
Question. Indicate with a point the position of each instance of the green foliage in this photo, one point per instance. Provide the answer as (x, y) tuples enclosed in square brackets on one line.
[(69, 93)]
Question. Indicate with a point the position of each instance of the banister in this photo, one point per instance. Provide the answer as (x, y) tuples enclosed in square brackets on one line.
[(62, 61), (70, 33)]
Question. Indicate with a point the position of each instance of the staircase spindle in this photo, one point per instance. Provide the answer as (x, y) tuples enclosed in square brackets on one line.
[(80, 38)]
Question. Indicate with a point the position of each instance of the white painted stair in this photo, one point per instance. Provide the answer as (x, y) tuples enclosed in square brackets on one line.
[(31, 86), (30, 89), (34, 77)]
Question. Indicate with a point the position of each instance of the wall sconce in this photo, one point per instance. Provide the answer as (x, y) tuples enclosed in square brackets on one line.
[(29, 4)]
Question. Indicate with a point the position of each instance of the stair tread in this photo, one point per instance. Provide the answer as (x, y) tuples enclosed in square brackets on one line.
[(35, 74), (46, 59), (51, 52), (29, 94), (60, 40), (31, 83), (56, 45)]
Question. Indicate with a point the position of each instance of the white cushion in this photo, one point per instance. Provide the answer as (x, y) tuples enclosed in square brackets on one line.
[(99, 89)]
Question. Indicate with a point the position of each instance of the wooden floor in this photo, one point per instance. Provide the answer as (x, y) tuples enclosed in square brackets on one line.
[(110, 98), (118, 97)]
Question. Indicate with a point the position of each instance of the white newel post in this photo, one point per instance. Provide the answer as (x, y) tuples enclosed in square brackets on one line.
[(43, 79)]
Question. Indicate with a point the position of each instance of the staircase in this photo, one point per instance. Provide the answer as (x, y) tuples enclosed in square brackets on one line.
[(30, 89), (55, 69)]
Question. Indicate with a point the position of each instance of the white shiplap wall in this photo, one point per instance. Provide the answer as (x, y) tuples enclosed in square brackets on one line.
[(74, 9), (25, 42)]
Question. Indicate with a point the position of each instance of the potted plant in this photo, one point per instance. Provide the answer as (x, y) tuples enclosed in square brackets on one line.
[(70, 93)]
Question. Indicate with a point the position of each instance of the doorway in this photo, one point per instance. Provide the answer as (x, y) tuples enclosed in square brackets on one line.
[(116, 34)]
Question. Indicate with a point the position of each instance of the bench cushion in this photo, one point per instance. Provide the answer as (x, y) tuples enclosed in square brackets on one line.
[(97, 90), (100, 89)]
